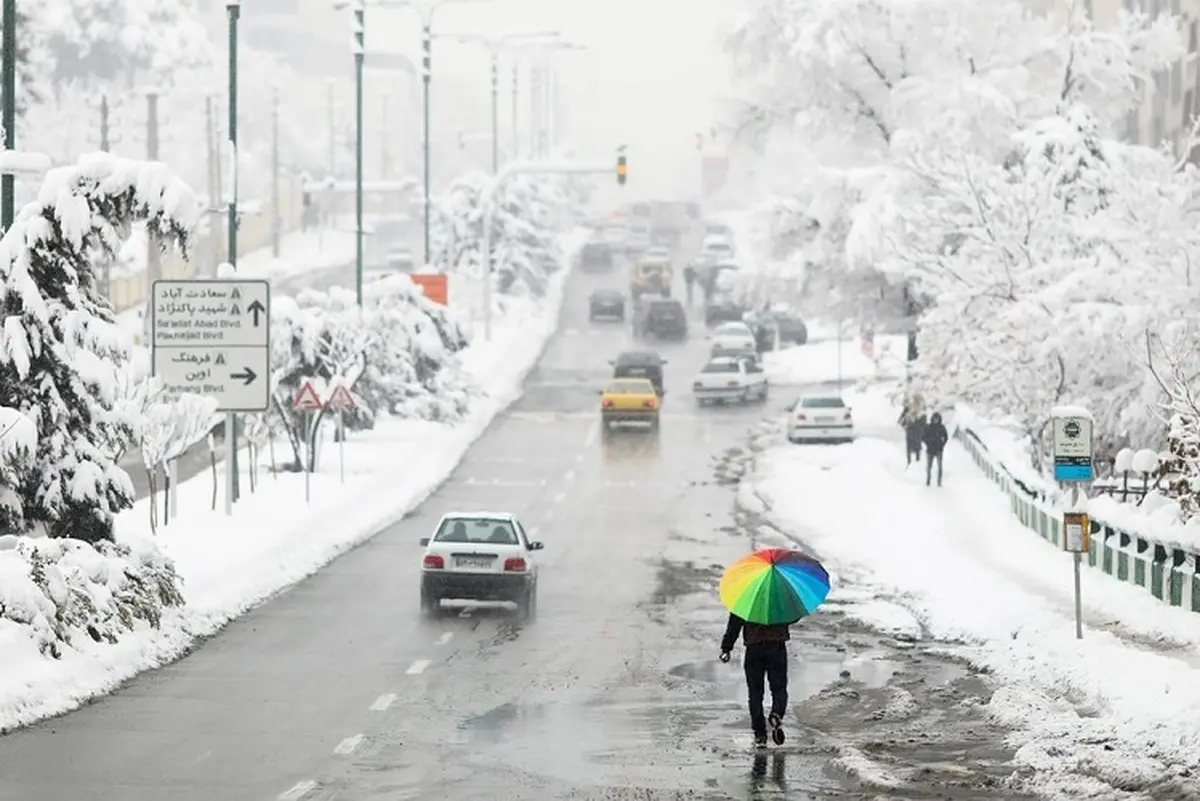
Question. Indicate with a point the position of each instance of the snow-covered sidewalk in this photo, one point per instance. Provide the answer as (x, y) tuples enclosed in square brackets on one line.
[(274, 538), (1121, 708)]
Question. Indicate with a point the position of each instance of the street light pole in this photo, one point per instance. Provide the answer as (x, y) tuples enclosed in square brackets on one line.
[(233, 7), (495, 112), (360, 29), (9, 69), (426, 78), (516, 114)]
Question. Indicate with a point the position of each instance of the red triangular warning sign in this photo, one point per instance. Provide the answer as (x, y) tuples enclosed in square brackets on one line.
[(340, 399), (306, 399)]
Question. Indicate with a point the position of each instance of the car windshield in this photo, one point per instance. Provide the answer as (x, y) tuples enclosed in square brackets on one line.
[(596, 253), (669, 310), (490, 530), (822, 403), (720, 367), (732, 330), (629, 386)]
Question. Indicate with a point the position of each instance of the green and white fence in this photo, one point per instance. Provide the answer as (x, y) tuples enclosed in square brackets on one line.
[(1167, 572)]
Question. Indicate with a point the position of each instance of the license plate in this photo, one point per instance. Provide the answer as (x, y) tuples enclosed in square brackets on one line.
[(474, 561), (824, 419), (635, 371)]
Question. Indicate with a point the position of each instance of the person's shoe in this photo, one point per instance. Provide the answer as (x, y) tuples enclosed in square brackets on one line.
[(776, 724), (760, 741)]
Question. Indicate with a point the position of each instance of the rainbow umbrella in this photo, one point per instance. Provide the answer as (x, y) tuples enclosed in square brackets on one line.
[(774, 586)]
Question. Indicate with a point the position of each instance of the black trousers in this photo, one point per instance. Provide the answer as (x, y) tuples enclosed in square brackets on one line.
[(930, 456), (766, 665)]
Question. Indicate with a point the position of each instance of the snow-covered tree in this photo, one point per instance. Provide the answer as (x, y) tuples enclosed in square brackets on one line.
[(62, 347), (121, 43)]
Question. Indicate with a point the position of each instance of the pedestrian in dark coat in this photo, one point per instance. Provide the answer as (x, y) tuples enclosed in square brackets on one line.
[(765, 663), (935, 438), (914, 425)]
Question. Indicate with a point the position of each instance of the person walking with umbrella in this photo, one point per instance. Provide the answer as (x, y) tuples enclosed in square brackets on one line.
[(765, 592)]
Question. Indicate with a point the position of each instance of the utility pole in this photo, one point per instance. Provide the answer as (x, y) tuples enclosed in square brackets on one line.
[(104, 133), (275, 219), (495, 112), (231, 465), (153, 255), (535, 120), (332, 111), (8, 68), (359, 57), (516, 96), (426, 78), (215, 190), (385, 157)]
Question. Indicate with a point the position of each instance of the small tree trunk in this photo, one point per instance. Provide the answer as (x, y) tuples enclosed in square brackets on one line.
[(212, 460), (271, 446), (151, 481), (253, 465), (166, 494)]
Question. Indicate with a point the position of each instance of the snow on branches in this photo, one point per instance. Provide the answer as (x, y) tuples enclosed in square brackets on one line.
[(62, 348), (397, 356), (529, 214)]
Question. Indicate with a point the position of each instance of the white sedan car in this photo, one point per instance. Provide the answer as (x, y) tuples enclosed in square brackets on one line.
[(480, 556), (725, 380), (732, 339), (820, 418)]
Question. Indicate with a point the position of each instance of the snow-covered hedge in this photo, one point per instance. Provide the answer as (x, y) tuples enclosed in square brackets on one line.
[(64, 592), (530, 213)]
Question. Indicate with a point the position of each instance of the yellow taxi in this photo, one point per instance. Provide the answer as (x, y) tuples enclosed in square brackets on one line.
[(629, 400)]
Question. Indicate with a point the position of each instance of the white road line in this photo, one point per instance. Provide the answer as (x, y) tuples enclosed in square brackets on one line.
[(348, 745), (298, 791), (383, 702), (445, 638), (593, 432), (548, 515), (560, 497), (420, 665), (569, 475)]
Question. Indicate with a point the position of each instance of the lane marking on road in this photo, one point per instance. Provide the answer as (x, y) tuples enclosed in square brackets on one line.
[(593, 432), (298, 791), (560, 497), (348, 745), (569, 476), (445, 638), (383, 702), (548, 515), (420, 665)]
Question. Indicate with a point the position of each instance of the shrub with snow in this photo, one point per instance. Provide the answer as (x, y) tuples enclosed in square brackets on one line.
[(63, 349), (65, 592), (396, 355)]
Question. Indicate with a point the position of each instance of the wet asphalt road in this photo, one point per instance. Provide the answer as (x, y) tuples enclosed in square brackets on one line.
[(340, 689), (200, 456)]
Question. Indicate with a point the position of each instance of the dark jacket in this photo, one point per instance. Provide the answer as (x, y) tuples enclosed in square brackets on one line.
[(752, 633), (914, 429), (935, 435)]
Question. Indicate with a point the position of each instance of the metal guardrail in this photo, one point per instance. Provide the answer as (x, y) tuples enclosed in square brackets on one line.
[(1166, 571)]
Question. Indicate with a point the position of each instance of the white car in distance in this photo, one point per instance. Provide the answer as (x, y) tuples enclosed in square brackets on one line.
[(820, 418), (732, 339), (480, 556), (725, 379)]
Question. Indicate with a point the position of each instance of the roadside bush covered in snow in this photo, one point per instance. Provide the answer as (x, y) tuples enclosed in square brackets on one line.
[(63, 349), (63, 592), (530, 213), (396, 355)]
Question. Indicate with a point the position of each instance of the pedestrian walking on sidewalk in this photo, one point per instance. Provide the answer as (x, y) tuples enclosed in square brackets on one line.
[(689, 282), (765, 663), (912, 419), (935, 438)]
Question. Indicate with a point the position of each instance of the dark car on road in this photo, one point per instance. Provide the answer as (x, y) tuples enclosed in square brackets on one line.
[(640, 364), (792, 329), (722, 308), (596, 257), (662, 318), (608, 304)]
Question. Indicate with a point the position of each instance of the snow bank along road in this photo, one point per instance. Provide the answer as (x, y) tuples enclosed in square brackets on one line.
[(340, 689)]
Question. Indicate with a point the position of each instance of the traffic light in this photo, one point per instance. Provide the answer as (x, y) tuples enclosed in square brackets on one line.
[(622, 170)]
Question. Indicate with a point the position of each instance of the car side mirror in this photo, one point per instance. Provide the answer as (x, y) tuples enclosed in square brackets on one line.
[(424, 541), (537, 546)]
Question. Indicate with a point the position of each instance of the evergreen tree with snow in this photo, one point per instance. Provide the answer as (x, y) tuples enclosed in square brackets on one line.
[(61, 348)]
